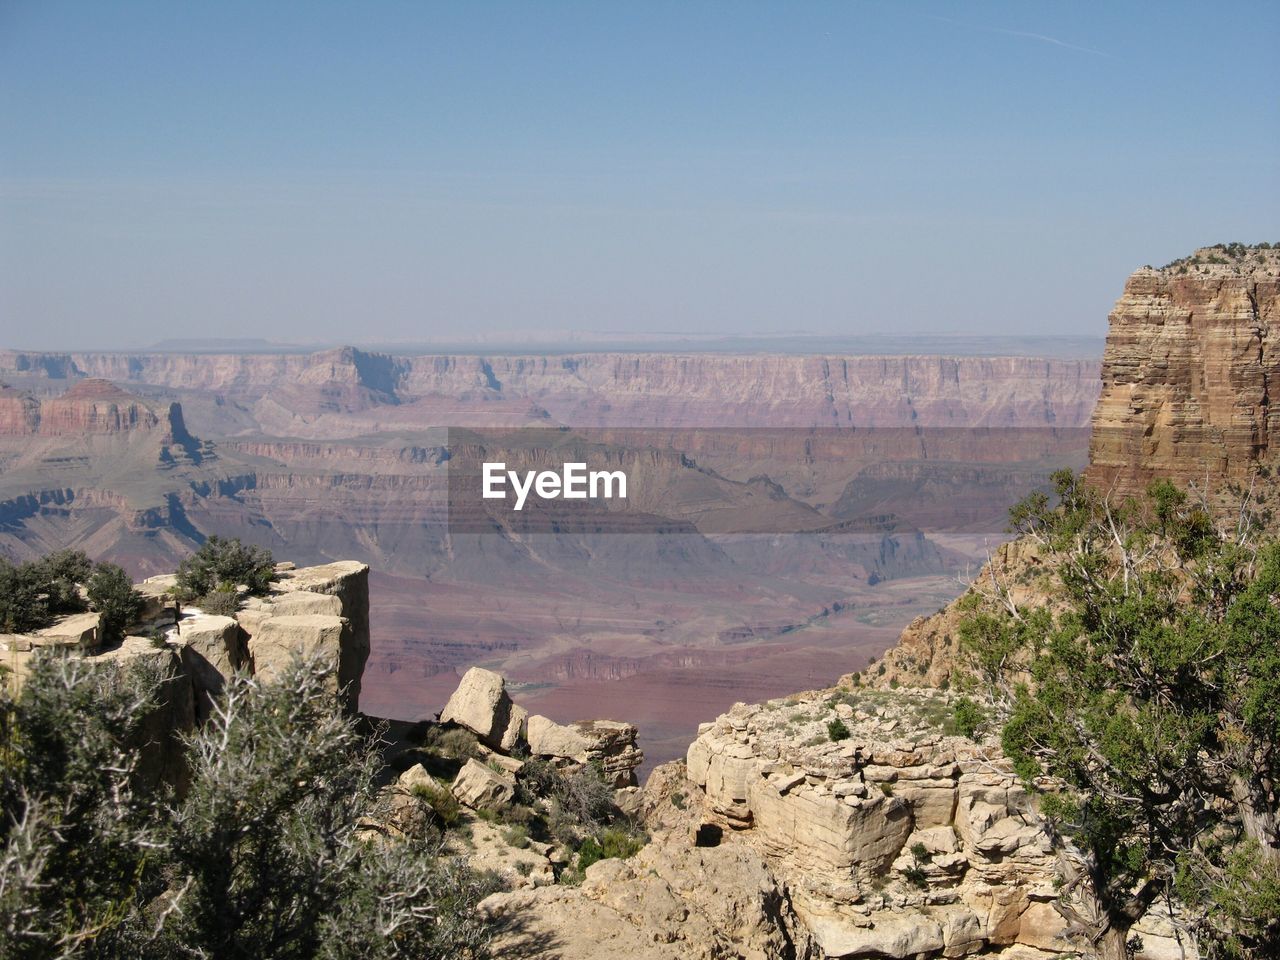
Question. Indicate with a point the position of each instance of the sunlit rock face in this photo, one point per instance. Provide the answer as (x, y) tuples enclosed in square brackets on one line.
[(1192, 355)]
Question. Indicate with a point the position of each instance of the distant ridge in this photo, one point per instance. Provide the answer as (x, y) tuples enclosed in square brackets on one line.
[(951, 345)]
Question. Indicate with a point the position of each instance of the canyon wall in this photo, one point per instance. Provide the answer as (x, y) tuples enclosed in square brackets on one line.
[(344, 392), (1192, 356), (90, 406)]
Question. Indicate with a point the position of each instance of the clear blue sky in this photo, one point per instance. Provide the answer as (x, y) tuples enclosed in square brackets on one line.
[(403, 171)]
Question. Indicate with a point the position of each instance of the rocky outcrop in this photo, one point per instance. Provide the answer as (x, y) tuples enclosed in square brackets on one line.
[(929, 649), (671, 901), (481, 704), (481, 787), (314, 611), (896, 841), (609, 744), (212, 649), (1192, 355)]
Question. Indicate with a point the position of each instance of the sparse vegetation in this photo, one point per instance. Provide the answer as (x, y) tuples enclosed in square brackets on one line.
[(443, 808), (260, 857), (609, 844), (33, 595), (224, 601), (837, 730), (222, 564), (967, 717), (1151, 689), (915, 875), (111, 594)]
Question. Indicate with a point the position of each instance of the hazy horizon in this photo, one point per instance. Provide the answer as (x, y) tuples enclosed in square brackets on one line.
[(413, 173)]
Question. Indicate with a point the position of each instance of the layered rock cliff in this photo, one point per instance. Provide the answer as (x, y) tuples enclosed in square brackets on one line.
[(89, 407), (1190, 372), (346, 392)]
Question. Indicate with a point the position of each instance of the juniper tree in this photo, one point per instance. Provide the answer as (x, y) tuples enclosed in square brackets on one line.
[(1146, 686)]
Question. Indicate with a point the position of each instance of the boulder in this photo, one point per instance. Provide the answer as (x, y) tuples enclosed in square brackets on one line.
[(482, 705), (516, 726), (609, 743), (482, 788), (550, 739), (898, 935)]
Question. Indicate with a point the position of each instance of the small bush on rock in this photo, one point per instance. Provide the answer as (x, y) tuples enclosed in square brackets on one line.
[(225, 563), (967, 717), (610, 844), (220, 602), (111, 593)]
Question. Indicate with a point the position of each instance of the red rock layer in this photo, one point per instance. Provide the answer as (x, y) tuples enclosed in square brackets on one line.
[(89, 407)]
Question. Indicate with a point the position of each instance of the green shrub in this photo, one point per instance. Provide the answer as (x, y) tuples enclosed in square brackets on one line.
[(454, 743), (612, 843), (836, 730), (916, 876), (516, 836), (225, 563), (62, 572), (24, 599), (223, 601), (111, 594), (444, 806), (32, 594), (967, 717), (263, 855)]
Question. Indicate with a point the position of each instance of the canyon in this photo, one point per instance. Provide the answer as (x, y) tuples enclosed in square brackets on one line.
[(841, 821), (788, 514)]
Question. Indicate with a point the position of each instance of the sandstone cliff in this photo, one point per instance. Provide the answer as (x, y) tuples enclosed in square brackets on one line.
[(1192, 357)]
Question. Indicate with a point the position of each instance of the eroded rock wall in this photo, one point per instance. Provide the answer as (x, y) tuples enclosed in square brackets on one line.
[(895, 841), (1191, 362)]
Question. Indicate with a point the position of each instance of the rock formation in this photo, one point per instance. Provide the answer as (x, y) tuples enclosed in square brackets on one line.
[(1192, 354), (345, 391), (481, 704), (195, 658), (609, 744), (671, 901), (896, 841), (90, 406)]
